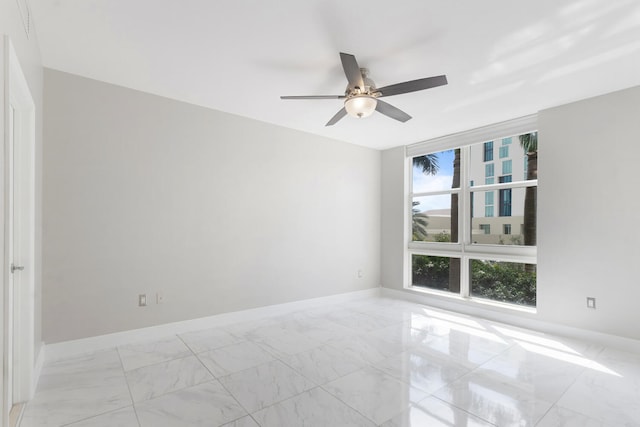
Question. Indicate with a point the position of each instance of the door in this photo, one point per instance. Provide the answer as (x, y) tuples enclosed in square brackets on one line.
[(9, 247), (19, 235)]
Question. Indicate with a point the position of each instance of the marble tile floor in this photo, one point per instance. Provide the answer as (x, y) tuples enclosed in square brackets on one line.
[(372, 362)]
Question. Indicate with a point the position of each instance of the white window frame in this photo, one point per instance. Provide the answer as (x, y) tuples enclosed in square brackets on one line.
[(464, 248)]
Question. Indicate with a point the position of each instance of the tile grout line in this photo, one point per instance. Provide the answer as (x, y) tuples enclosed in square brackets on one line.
[(321, 386), (280, 358), (124, 373), (95, 416), (217, 379), (347, 405), (284, 357), (237, 401), (463, 410), (111, 410), (213, 379), (555, 404), (470, 371)]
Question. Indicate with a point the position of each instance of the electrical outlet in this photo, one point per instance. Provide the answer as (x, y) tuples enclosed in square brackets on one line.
[(159, 298), (360, 274), (142, 300), (591, 302)]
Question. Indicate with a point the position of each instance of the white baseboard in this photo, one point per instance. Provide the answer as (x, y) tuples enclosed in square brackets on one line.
[(66, 349), (522, 320), (57, 351)]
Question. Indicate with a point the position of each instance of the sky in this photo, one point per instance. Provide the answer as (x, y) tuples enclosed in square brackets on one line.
[(441, 181)]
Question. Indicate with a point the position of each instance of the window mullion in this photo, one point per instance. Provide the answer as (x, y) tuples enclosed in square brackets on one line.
[(464, 217), (506, 185), (465, 286), (437, 193)]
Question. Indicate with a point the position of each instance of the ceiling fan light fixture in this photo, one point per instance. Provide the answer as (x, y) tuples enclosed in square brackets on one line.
[(360, 106), (361, 95)]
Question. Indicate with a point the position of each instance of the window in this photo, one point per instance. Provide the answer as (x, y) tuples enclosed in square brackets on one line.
[(489, 170), (506, 167), (444, 203), (488, 198), (510, 282), (488, 204), (503, 151), (488, 151), (434, 195), (505, 202), (433, 272), (505, 197)]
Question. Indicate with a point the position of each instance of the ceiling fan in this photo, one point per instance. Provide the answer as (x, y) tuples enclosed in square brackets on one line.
[(362, 98)]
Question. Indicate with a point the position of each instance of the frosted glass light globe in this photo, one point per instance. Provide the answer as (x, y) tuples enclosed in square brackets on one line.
[(360, 106)]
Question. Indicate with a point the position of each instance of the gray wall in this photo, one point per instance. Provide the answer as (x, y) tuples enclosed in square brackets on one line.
[(587, 215), (28, 53), (217, 212)]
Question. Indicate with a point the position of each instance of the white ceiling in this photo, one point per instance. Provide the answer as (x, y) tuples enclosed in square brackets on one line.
[(503, 59)]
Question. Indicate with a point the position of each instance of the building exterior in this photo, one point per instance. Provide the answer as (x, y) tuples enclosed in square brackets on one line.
[(498, 214)]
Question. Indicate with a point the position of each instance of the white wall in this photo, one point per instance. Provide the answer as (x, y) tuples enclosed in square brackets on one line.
[(392, 217), (220, 213), (588, 177), (28, 53)]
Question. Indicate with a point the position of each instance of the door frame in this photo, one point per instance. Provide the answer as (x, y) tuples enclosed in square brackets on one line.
[(17, 308)]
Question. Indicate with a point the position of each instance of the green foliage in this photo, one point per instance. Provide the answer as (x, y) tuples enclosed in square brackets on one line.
[(529, 142), (497, 281), (442, 237), (430, 271), (503, 281), (420, 223), (516, 239)]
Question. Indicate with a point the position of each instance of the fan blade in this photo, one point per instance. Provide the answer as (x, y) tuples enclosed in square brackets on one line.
[(391, 111), (412, 86), (352, 70), (314, 97), (340, 114)]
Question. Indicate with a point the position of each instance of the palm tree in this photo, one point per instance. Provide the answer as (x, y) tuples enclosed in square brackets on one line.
[(529, 142), (428, 163), (420, 223)]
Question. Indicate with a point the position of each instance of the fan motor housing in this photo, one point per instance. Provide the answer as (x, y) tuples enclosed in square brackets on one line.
[(369, 85)]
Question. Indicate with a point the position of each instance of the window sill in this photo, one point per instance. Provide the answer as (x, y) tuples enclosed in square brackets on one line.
[(474, 302)]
